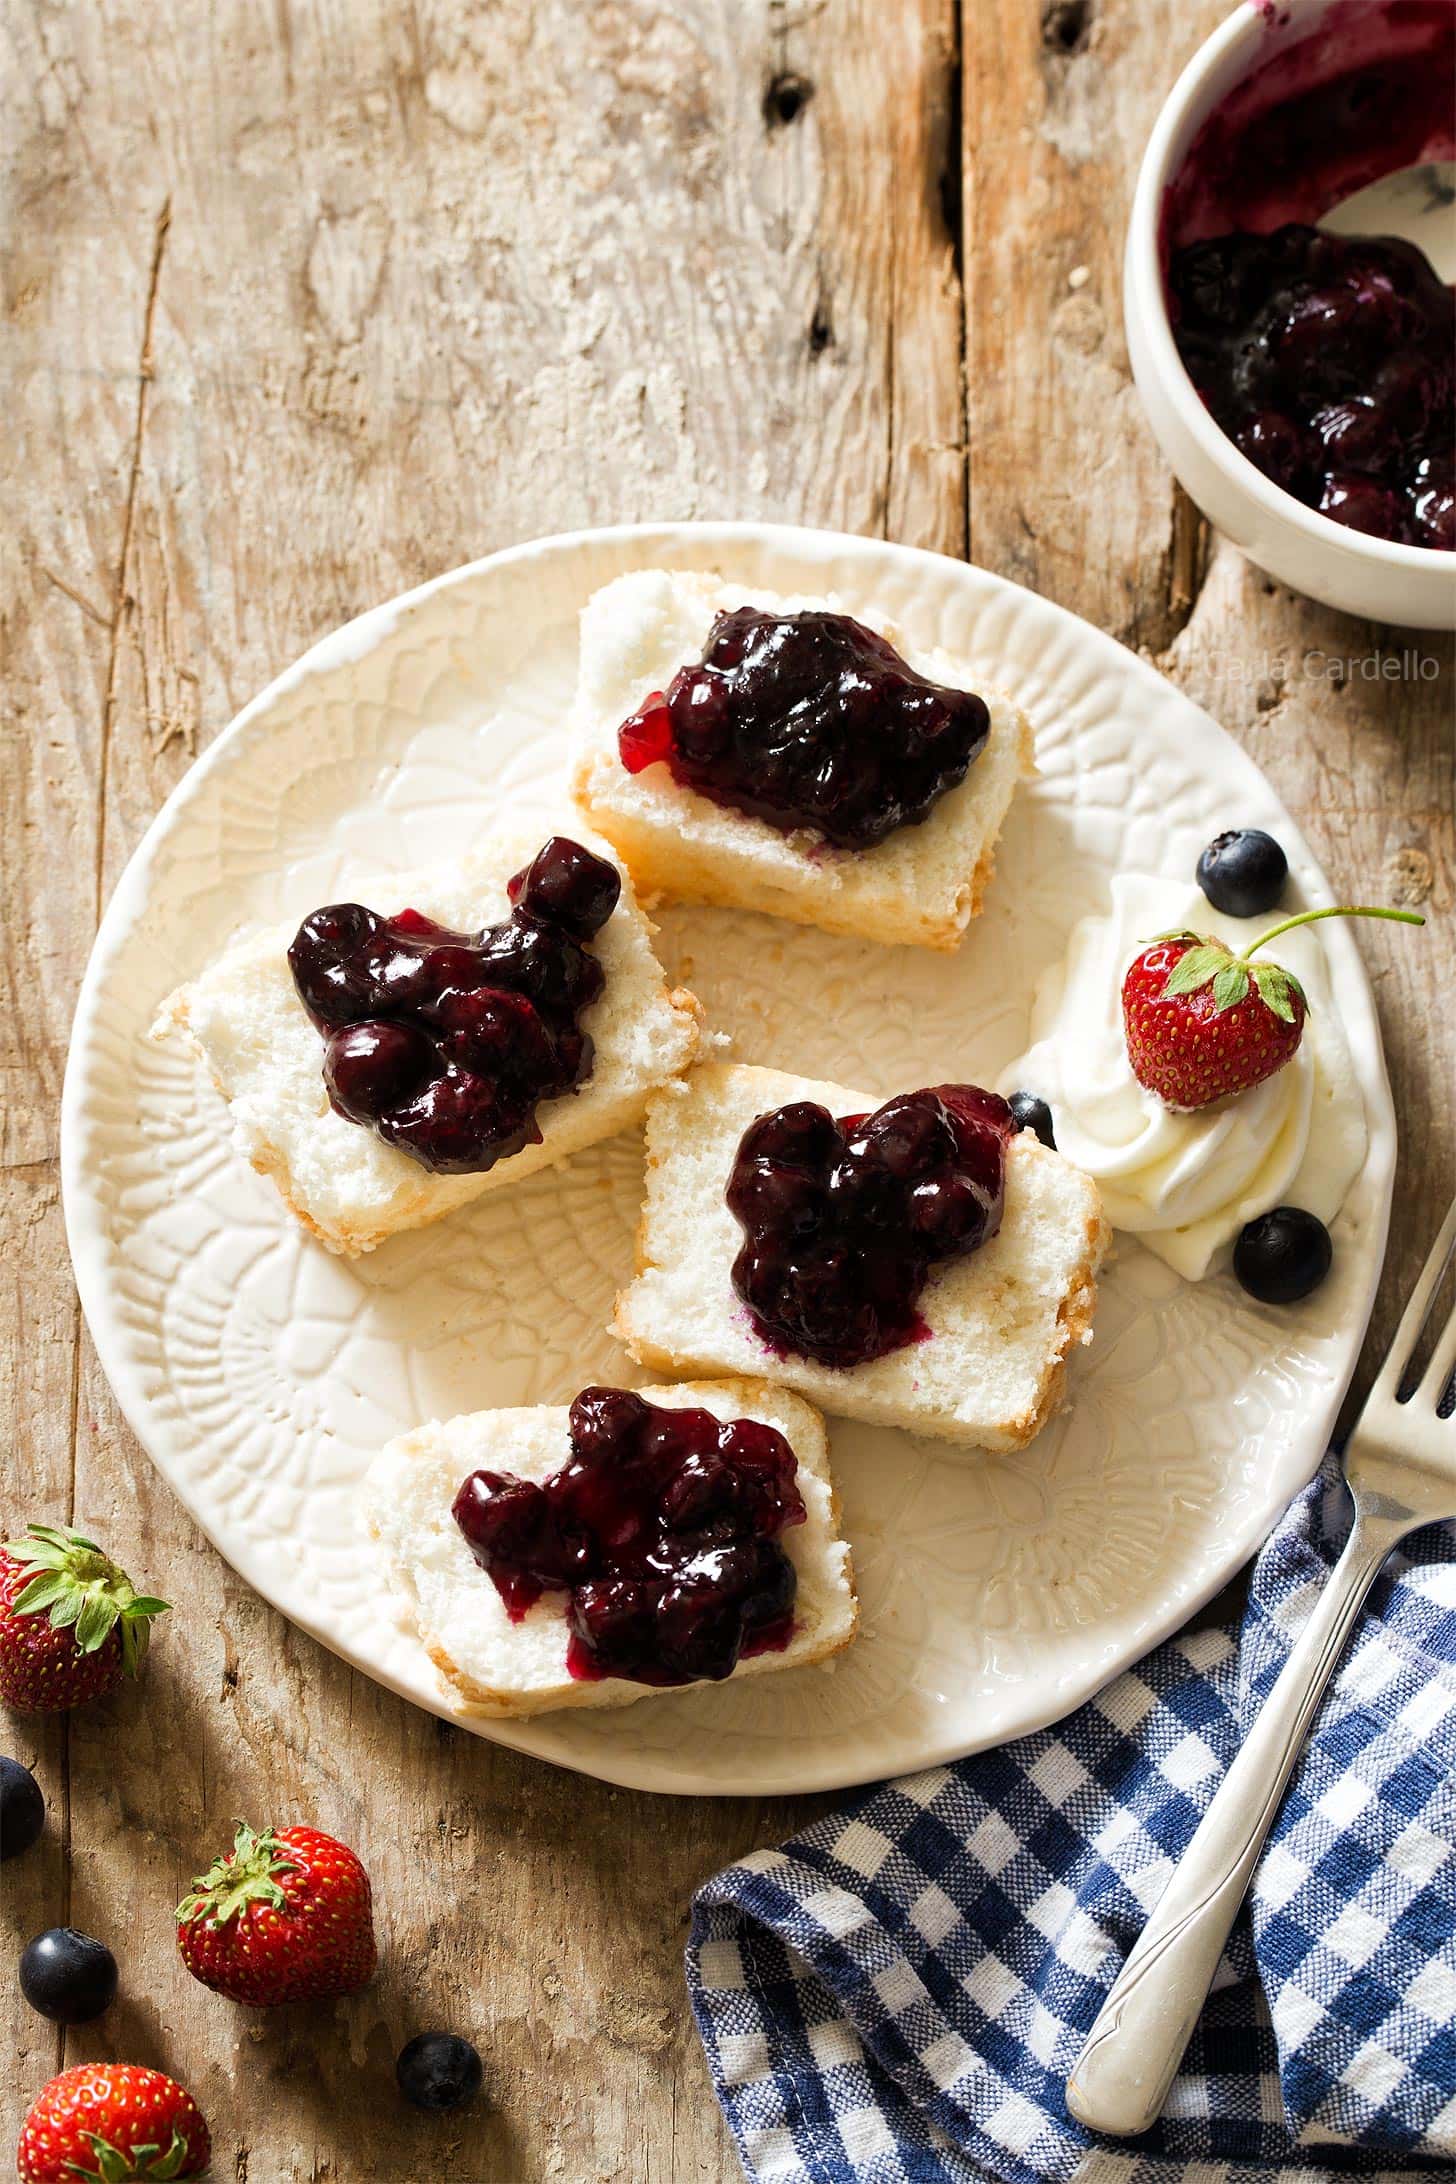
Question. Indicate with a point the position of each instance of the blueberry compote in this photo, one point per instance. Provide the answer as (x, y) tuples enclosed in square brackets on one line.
[(809, 720), (843, 1220), (664, 1529), (1330, 361), (445, 1043)]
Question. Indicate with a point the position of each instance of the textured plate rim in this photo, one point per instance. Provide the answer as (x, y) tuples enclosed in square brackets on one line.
[(86, 1228)]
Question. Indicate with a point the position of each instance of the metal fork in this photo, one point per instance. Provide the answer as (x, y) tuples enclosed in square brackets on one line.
[(1400, 1467)]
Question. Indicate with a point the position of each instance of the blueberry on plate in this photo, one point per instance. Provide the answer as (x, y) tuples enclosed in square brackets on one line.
[(438, 2070), (1283, 1255), (22, 1808), (1243, 872), (68, 1977), (1030, 1113)]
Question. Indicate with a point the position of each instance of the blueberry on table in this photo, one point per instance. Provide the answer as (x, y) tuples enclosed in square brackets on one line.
[(1030, 1113), (1283, 1255), (1243, 872), (22, 1808), (438, 2070), (68, 1977)]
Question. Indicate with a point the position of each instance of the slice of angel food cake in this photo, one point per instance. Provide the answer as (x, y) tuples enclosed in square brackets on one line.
[(389, 1059), (775, 753), (630, 1543), (918, 1262)]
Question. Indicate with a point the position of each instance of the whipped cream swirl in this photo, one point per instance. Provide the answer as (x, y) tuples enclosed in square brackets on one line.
[(1187, 1183)]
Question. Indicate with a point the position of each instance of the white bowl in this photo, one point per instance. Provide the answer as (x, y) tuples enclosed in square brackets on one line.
[(1412, 585)]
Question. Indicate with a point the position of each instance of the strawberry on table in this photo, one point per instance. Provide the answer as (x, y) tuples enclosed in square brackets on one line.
[(285, 1916), (112, 2122), (71, 1623), (1202, 1023)]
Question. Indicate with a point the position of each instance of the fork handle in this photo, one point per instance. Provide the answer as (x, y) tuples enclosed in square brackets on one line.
[(1121, 2078)]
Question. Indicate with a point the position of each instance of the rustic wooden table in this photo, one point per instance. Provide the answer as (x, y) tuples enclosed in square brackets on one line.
[(306, 304)]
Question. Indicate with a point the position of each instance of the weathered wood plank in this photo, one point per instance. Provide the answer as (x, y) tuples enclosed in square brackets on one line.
[(409, 300), (1068, 491), (70, 401), (428, 283)]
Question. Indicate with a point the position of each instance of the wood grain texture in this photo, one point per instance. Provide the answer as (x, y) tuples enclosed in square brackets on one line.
[(305, 305)]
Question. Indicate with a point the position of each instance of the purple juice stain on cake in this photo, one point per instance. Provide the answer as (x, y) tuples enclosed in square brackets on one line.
[(844, 1219), (809, 721), (662, 1527), (444, 1044), (1329, 361)]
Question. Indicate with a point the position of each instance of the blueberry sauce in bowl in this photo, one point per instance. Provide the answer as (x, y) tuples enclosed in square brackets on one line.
[(662, 1527), (809, 721), (1328, 360), (444, 1044), (844, 1219)]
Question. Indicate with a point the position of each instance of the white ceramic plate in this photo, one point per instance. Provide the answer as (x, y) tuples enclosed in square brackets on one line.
[(260, 1373)]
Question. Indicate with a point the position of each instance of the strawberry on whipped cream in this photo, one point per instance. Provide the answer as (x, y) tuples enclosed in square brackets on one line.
[(1186, 1183)]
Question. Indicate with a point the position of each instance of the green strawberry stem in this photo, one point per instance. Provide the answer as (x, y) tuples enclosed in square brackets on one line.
[(143, 2163), (1213, 963), (245, 1875), (1312, 917), (84, 1591)]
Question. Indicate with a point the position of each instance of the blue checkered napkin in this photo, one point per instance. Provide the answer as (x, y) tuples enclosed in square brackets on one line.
[(899, 1993)]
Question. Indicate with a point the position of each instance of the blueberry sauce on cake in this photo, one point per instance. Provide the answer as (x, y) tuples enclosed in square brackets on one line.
[(662, 1527), (444, 1043), (1327, 359), (809, 721), (1331, 363), (843, 1220)]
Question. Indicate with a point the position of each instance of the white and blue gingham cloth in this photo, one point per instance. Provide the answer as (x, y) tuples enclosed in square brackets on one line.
[(897, 1996)]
